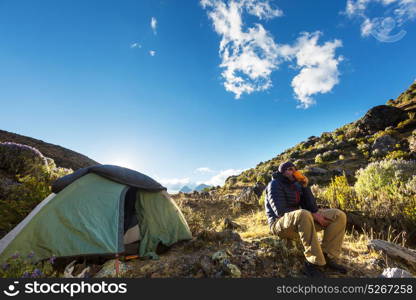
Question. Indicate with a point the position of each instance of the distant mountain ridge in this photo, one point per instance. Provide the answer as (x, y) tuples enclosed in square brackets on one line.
[(63, 157), (185, 189), (198, 188), (201, 187)]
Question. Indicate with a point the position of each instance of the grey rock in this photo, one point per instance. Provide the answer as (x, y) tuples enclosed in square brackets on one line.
[(395, 273), (384, 144), (330, 155), (248, 195), (316, 171), (380, 117)]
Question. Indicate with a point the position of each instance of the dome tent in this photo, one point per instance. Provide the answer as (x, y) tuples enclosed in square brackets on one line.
[(94, 211)]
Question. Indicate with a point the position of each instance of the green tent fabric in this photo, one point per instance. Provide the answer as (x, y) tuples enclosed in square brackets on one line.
[(82, 219), (160, 221), (87, 218)]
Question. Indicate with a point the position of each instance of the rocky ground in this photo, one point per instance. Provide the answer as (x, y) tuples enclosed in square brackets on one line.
[(230, 242)]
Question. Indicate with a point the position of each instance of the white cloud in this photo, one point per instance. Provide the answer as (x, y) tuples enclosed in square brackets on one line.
[(318, 66), (367, 27), (152, 53), (135, 45), (248, 56), (220, 178), (174, 184), (204, 170), (153, 25), (397, 13)]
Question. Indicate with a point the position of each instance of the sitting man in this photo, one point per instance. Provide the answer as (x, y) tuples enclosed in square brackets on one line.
[(292, 211)]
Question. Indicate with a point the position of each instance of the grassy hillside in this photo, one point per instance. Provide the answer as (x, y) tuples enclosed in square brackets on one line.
[(63, 157)]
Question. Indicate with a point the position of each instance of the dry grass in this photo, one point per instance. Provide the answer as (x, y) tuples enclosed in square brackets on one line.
[(253, 225), (274, 257)]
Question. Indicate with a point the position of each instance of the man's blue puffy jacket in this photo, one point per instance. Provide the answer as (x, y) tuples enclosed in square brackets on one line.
[(283, 196)]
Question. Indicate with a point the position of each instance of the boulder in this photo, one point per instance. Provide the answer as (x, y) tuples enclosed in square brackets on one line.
[(315, 171), (380, 117), (330, 155), (393, 250), (384, 144), (248, 195)]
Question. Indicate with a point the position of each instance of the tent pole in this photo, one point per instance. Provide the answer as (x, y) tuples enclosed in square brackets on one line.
[(117, 265)]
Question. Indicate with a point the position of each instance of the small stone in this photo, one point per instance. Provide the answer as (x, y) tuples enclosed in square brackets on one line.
[(220, 256), (396, 273)]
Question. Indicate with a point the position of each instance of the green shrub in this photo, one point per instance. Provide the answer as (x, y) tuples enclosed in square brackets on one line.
[(262, 198), (362, 146), (387, 188), (20, 159), (263, 178), (381, 133), (377, 175), (396, 154), (319, 159), (339, 193), (340, 138), (23, 197)]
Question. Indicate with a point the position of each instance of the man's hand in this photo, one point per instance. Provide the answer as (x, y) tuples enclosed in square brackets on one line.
[(322, 220)]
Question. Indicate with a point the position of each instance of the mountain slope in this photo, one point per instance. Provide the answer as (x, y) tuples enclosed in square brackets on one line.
[(63, 157), (386, 131)]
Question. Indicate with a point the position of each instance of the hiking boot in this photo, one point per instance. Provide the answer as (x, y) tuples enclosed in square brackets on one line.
[(312, 270), (331, 264)]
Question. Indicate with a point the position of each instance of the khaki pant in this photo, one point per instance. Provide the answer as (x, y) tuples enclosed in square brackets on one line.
[(300, 223)]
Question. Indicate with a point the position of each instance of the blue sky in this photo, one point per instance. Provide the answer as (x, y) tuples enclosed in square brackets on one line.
[(195, 91)]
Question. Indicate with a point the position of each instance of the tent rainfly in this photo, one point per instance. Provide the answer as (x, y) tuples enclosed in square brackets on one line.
[(98, 210)]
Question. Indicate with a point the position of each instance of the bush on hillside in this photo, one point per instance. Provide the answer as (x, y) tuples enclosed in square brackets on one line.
[(264, 178), (339, 194), (319, 159), (262, 198), (20, 159), (397, 154), (387, 188), (32, 189)]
